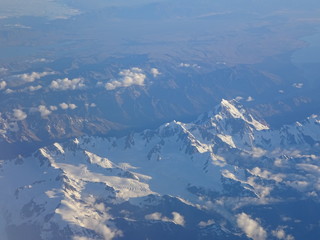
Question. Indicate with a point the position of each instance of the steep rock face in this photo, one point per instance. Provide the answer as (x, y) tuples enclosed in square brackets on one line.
[(202, 180)]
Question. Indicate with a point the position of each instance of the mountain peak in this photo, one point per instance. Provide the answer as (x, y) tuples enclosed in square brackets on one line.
[(229, 110)]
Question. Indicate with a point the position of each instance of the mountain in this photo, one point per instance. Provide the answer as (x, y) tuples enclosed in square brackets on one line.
[(61, 105), (226, 175)]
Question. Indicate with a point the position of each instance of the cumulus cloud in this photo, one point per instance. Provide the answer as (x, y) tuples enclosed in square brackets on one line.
[(258, 152), (19, 115), (297, 85), (251, 227), (72, 106), (250, 99), (33, 76), (281, 234), (3, 85), (155, 72), (177, 218), (206, 223), (8, 91), (267, 175), (154, 216), (92, 105), (53, 108), (262, 191), (128, 77), (44, 111), (34, 88), (66, 106), (20, 79), (239, 98), (67, 84)]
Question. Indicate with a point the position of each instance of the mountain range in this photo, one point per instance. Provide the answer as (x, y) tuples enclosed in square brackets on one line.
[(226, 175)]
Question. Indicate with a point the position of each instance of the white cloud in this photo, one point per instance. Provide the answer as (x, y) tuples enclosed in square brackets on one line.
[(92, 105), (250, 99), (155, 72), (67, 84), (41, 60), (34, 88), (251, 227), (281, 234), (19, 114), (3, 85), (81, 238), (309, 168), (262, 191), (239, 98), (299, 185), (207, 223), (21, 79), (66, 106), (33, 76), (176, 218), (154, 216), (258, 152), (184, 65), (267, 175), (128, 77), (72, 106), (44, 111), (53, 108), (2, 69), (188, 65), (297, 85), (8, 91)]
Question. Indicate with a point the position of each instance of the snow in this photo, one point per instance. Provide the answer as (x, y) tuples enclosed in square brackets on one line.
[(75, 185), (227, 139), (231, 109), (59, 147)]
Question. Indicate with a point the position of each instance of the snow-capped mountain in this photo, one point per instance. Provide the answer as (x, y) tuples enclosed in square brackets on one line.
[(224, 176)]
